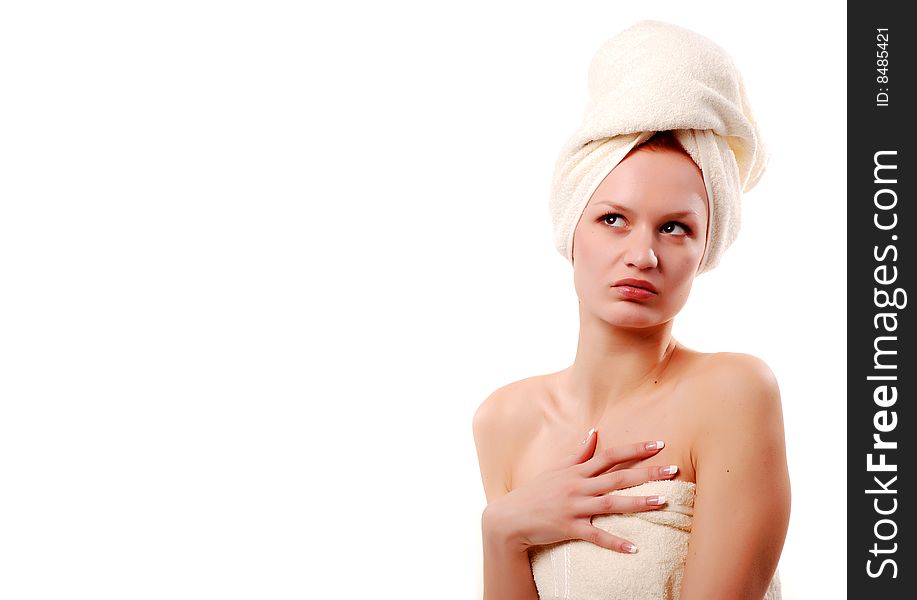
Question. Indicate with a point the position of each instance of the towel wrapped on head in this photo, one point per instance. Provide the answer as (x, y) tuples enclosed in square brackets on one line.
[(652, 77)]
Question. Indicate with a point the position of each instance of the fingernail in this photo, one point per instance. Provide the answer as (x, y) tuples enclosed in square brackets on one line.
[(588, 435), (655, 445), (656, 500), (670, 470), (629, 547)]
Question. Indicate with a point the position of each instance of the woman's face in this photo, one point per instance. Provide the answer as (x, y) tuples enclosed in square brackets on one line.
[(646, 221)]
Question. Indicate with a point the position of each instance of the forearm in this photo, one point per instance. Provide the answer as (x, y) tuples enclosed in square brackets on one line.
[(507, 571)]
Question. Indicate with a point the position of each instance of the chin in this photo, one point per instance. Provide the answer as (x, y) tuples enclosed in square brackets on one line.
[(636, 317), (634, 324)]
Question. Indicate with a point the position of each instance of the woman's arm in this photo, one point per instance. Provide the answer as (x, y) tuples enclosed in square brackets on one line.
[(742, 507), (507, 571)]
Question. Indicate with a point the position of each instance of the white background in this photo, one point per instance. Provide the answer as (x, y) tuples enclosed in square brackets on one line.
[(260, 262)]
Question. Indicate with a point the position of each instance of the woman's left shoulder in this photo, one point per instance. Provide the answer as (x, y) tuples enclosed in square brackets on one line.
[(732, 366), (737, 405), (737, 385)]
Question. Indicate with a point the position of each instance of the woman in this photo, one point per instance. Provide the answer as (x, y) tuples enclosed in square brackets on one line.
[(680, 489)]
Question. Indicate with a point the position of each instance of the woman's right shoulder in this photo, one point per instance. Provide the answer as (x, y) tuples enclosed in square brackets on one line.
[(502, 425), (515, 404)]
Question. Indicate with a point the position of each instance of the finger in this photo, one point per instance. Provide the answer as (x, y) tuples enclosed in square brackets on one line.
[(609, 457), (600, 537), (625, 478), (617, 504), (583, 452)]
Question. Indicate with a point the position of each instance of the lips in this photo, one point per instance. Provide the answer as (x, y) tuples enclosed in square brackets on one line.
[(636, 283)]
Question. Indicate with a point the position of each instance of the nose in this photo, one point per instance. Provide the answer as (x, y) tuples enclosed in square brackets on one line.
[(640, 253)]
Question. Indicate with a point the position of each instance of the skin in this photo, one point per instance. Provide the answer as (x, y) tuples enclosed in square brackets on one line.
[(719, 414)]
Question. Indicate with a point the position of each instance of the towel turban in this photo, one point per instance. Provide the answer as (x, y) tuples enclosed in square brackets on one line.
[(652, 77)]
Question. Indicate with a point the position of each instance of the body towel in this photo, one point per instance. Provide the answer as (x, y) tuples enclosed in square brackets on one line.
[(581, 570)]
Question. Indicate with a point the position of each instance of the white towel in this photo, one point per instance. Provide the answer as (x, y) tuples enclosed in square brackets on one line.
[(656, 76), (580, 570)]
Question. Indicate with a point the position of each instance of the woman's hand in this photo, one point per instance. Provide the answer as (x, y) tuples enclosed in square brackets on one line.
[(559, 504)]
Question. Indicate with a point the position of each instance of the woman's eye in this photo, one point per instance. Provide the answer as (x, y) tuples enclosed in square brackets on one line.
[(667, 228), (612, 219), (672, 227)]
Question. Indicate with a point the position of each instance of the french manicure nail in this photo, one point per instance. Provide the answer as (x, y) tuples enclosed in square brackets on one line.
[(630, 547), (654, 445), (588, 435), (656, 500), (670, 470)]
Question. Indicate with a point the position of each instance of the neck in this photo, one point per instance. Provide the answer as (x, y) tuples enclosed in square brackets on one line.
[(613, 363)]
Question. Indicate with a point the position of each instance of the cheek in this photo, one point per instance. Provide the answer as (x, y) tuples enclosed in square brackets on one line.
[(690, 257), (681, 253), (581, 240), (589, 262), (682, 268), (586, 248)]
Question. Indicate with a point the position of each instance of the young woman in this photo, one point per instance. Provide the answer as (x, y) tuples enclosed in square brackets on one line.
[(680, 488)]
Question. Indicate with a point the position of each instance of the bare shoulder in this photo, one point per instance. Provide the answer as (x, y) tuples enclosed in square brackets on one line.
[(738, 401), (738, 378), (512, 401), (509, 414), (501, 425), (742, 506)]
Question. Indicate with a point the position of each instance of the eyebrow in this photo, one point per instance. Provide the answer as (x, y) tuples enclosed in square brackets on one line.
[(677, 214)]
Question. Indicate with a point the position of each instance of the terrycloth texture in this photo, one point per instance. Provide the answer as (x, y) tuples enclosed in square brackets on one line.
[(580, 570), (651, 77)]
